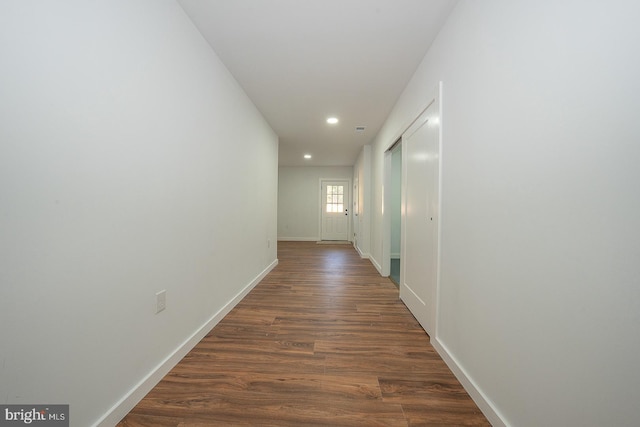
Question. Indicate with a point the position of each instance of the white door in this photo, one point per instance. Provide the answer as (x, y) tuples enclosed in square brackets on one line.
[(335, 210), (419, 253)]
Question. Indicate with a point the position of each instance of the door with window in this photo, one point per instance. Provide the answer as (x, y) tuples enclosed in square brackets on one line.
[(335, 210)]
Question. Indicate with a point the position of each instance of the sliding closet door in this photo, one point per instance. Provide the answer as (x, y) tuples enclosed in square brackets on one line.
[(421, 160)]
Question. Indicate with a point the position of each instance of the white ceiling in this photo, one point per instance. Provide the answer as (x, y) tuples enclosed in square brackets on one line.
[(301, 61)]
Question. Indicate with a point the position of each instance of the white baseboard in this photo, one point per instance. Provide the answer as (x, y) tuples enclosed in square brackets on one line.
[(135, 395), (298, 239), (362, 254), (376, 265), (484, 404)]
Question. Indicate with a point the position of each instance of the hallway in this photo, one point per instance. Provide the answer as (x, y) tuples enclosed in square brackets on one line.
[(322, 340)]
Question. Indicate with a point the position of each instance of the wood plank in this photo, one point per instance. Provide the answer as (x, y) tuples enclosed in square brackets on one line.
[(321, 340)]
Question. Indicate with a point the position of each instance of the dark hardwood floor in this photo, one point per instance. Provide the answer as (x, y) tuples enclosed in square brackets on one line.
[(323, 340)]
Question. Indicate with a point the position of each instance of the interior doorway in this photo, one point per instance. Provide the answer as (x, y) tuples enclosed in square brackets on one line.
[(395, 212)]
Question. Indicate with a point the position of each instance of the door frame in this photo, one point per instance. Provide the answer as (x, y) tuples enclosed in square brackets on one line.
[(347, 203)]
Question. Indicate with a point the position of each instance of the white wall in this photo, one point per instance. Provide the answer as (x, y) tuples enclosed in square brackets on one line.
[(539, 294), (121, 140), (299, 199)]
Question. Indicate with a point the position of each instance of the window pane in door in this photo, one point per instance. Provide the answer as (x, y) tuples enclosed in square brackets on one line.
[(335, 198)]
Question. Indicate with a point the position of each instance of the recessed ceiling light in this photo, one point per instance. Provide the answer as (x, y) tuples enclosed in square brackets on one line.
[(307, 156), (332, 120)]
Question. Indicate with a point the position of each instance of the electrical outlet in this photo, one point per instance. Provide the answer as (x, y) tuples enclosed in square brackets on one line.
[(161, 301)]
